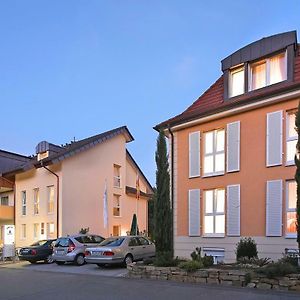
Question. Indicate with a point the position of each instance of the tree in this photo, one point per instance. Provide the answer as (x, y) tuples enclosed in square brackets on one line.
[(151, 220), (84, 230), (134, 226), (297, 175), (162, 209)]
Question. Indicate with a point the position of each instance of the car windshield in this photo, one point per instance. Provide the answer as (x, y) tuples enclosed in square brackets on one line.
[(112, 242), (39, 243)]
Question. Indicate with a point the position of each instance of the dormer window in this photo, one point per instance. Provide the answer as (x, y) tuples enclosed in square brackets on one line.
[(237, 81), (267, 71)]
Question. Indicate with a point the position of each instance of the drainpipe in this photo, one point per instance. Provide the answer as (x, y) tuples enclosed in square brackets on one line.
[(57, 198), (172, 186)]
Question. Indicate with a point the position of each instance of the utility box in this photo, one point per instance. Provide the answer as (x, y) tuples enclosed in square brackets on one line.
[(8, 241)]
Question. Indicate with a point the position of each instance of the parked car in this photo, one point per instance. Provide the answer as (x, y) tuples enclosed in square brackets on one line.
[(41, 250), (72, 248), (120, 250)]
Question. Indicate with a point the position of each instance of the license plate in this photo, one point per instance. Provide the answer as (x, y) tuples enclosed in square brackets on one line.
[(60, 252), (97, 253), (25, 251)]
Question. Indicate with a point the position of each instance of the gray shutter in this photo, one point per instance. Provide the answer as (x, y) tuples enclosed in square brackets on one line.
[(233, 146), (233, 210), (274, 208), (194, 212), (274, 138), (194, 154)]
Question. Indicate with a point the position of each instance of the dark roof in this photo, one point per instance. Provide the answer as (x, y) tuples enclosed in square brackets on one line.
[(72, 149), (10, 161), (212, 100)]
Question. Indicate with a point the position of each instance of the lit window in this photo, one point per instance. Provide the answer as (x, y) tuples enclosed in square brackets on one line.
[(4, 201), (23, 196), (237, 82), (36, 230), (267, 71), (291, 218), (50, 199), (214, 154), (23, 231), (214, 219), (50, 230), (36, 201), (291, 138), (117, 176), (117, 206)]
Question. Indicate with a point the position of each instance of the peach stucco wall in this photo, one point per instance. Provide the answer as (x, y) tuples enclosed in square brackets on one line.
[(252, 176)]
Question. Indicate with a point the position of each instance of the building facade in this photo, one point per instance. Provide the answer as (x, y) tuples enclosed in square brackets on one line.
[(61, 189), (232, 155)]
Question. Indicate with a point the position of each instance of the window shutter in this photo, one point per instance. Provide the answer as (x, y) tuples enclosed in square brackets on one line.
[(274, 138), (194, 154), (274, 208), (194, 212), (233, 146), (233, 210)]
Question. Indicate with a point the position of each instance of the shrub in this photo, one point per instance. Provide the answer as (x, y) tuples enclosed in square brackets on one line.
[(191, 265), (290, 259), (277, 269), (84, 230), (246, 247), (260, 262), (165, 259), (196, 254), (207, 261)]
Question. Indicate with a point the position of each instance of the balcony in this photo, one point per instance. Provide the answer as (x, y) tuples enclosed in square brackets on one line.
[(6, 213)]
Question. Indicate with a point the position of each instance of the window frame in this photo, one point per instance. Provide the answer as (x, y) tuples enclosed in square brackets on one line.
[(214, 213), (117, 206), (36, 230), (36, 201), (214, 153), (234, 70), (49, 188), (288, 210), (288, 138), (23, 232), (117, 177), (24, 203), (6, 199), (49, 233)]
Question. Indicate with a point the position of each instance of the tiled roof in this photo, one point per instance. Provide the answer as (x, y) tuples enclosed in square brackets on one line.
[(10, 161), (212, 100)]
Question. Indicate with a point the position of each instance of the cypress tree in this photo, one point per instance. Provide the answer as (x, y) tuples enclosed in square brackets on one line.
[(162, 206), (297, 175), (134, 227)]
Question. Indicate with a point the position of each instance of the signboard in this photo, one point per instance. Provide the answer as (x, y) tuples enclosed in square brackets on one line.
[(8, 234)]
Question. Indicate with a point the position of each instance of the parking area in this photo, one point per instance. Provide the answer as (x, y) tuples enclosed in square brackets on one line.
[(87, 269)]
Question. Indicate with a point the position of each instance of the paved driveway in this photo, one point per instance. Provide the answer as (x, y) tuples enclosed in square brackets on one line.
[(88, 269)]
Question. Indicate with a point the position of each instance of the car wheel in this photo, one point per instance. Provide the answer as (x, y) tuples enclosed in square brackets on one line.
[(128, 259), (60, 263), (101, 265), (79, 260), (49, 260)]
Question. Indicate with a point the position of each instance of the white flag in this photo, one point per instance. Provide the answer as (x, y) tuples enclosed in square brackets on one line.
[(105, 209)]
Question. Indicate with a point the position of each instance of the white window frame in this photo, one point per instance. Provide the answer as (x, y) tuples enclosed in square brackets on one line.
[(118, 206), (288, 138), (36, 231), (49, 232), (214, 153), (267, 62), (23, 232), (4, 198), (36, 201), (24, 204), (117, 178), (49, 188), (287, 210), (214, 213), (231, 72)]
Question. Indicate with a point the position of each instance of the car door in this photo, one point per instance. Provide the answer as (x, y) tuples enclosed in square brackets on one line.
[(146, 248), (133, 248)]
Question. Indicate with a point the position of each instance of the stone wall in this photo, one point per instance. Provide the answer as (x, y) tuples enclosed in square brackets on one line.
[(239, 278)]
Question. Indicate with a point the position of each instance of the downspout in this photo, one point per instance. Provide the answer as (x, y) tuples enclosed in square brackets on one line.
[(172, 186), (57, 198)]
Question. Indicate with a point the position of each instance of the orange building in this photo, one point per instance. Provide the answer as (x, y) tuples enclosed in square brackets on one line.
[(232, 155)]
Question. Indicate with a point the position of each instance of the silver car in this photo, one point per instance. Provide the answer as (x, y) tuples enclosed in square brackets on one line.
[(120, 250), (72, 248)]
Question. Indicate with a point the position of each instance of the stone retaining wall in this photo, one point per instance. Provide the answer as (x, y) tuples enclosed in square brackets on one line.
[(240, 278)]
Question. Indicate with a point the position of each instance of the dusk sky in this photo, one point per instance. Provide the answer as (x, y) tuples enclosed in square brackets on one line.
[(77, 68)]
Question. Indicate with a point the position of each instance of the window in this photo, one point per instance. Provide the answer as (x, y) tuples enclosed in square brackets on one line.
[(23, 231), (291, 138), (214, 154), (116, 230), (237, 82), (214, 219), (117, 176), (50, 199), (291, 219), (117, 206), (50, 230), (42, 228), (267, 71), (36, 201), (36, 230), (4, 201), (23, 197)]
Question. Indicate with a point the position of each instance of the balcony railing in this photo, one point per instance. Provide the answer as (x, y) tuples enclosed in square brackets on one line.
[(6, 213)]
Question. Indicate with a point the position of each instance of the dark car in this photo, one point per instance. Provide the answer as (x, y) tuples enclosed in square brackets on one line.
[(41, 250)]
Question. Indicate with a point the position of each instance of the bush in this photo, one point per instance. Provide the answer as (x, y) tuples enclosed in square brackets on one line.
[(196, 254), (191, 265), (246, 247), (207, 261), (165, 259), (277, 269), (260, 262), (290, 259), (84, 230)]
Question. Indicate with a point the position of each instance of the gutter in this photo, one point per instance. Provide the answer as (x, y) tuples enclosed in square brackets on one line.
[(172, 187), (57, 197)]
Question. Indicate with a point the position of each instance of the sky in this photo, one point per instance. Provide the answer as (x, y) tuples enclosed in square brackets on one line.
[(78, 68)]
